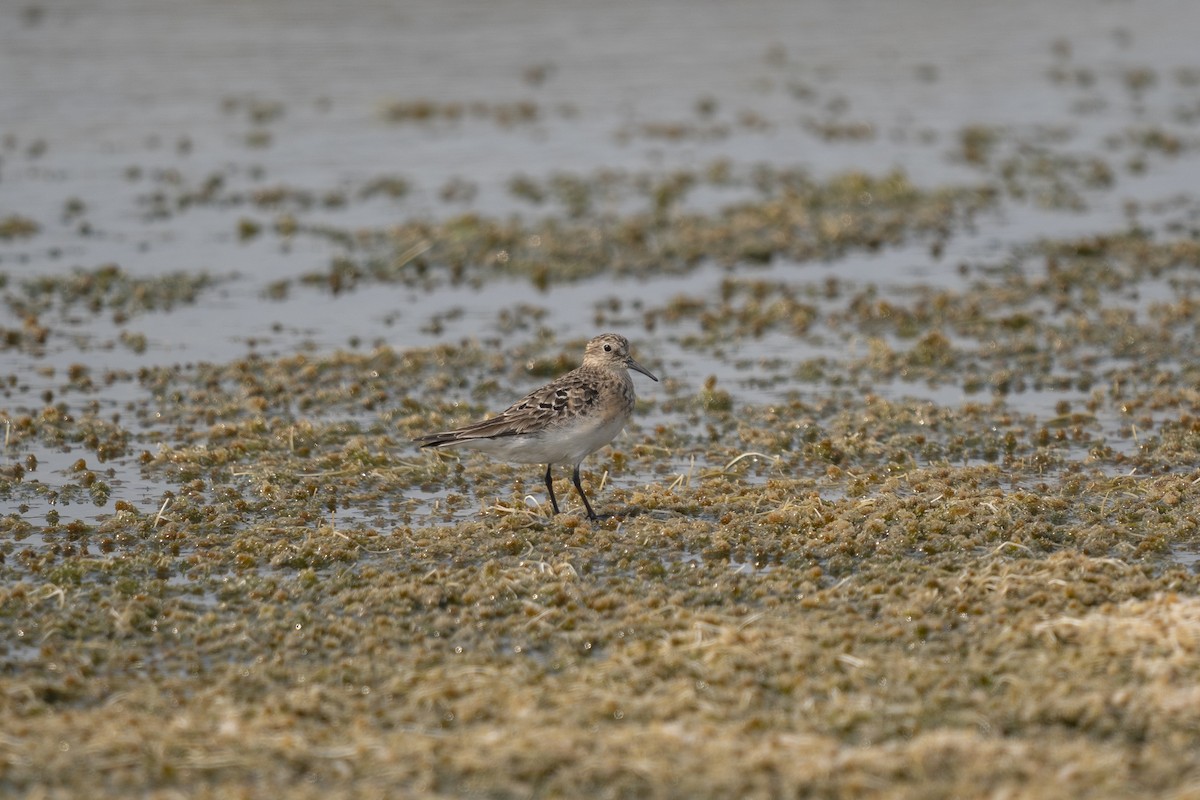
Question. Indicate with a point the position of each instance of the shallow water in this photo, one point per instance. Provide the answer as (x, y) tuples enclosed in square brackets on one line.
[(912, 508), (117, 108)]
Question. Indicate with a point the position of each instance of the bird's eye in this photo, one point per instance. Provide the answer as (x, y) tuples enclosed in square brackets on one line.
[(608, 348)]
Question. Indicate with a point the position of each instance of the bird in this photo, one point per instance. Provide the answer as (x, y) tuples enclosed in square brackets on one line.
[(564, 421)]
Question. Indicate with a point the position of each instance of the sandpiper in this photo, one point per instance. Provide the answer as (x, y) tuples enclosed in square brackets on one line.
[(563, 422)]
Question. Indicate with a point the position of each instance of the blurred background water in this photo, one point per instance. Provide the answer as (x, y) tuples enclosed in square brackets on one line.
[(109, 109)]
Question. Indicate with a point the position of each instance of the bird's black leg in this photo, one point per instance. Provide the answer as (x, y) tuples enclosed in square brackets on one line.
[(550, 488), (582, 496)]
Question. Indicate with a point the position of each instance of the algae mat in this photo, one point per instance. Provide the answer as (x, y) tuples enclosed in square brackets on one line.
[(911, 514)]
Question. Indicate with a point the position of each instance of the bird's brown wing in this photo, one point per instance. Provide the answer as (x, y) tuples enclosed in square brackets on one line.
[(560, 399)]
